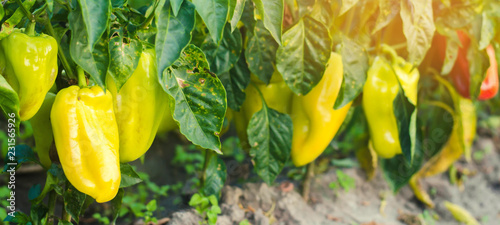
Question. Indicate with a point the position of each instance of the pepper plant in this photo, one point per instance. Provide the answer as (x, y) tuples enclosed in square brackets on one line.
[(99, 79)]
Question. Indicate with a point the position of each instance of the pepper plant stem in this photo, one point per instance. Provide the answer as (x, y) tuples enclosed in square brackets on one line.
[(82, 80), (52, 205), (60, 51), (306, 183), (208, 154), (26, 12)]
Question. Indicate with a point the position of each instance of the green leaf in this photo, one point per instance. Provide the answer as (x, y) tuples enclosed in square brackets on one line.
[(261, 52), (174, 33), (235, 82), (270, 138), (124, 57), (151, 206), (95, 14), (214, 13), (398, 171), (355, 64), (129, 176), (346, 5), (34, 191), (9, 24), (303, 56), (23, 153), (222, 57), (248, 17), (2, 12), (488, 29), (116, 205), (199, 97), (438, 126), (37, 213), (271, 12), (478, 64), (176, 6), (418, 27), (215, 174), (9, 102), (405, 114), (322, 11), (236, 13), (73, 202), (389, 9), (452, 46), (18, 218), (91, 56)]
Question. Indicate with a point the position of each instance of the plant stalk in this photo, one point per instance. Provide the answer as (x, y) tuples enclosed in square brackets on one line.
[(52, 206), (82, 80), (60, 52), (306, 183)]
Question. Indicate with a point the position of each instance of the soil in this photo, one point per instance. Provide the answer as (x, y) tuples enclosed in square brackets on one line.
[(369, 203)]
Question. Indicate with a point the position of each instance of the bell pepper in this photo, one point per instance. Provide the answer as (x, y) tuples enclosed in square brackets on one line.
[(315, 121), (460, 74), (86, 138), (452, 151), (277, 96), (29, 64), (167, 122), (489, 87), (379, 92), (139, 107), (42, 130)]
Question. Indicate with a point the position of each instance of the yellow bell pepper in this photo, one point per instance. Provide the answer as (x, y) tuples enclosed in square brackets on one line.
[(379, 92), (29, 64), (86, 138), (139, 107), (277, 96), (315, 121)]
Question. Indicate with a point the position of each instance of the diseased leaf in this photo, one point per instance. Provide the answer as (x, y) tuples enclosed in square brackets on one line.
[(355, 64), (270, 138), (388, 9), (124, 58), (216, 174), (214, 13), (199, 99), (261, 52), (174, 33), (346, 5), (418, 27), (303, 56), (271, 12), (222, 57), (14, 19)]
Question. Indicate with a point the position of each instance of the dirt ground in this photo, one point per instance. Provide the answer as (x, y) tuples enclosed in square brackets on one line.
[(370, 203)]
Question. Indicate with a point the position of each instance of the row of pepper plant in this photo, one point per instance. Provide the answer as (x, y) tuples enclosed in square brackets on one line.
[(98, 78)]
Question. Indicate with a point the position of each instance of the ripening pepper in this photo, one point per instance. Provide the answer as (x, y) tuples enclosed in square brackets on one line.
[(86, 137), (451, 152), (277, 96), (42, 130), (139, 107), (460, 74), (167, 122), (379, 92), (29, 64), (315, 121)]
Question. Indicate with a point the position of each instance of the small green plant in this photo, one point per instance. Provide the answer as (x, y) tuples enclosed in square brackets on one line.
[(244, 222), (4, 194), (207, 207), (100, 219), (344, 181)]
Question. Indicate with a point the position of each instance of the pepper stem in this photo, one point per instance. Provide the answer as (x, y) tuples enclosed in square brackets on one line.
[(306, 183), (52, 205), (208, 154), (82, 80), (30, 30)]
